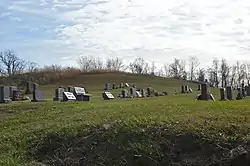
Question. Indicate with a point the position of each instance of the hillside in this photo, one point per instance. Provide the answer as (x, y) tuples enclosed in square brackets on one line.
[(168, 130)]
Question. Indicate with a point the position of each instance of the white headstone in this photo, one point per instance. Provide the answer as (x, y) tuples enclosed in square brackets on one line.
[(69, 95)]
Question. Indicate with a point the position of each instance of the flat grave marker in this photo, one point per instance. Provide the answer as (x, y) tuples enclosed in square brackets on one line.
[(107, 96), (68, 96)]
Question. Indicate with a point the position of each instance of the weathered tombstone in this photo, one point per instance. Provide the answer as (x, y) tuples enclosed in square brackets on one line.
[(143, 93), (229, 91), (205, 93), (199, 87), (107, 96), (182, 89), (222, 94), (4, 94), (14, 93), (59, 94), (80, 94), (126, 84), (107, 86), (134, 86), (124, 93), (190, 90), (70, 89), (29, 89), (239, 94), (150, 91), (68, 96), (121, 85), (138, 94), (133, 92), (38, 96), (165, 93), (114, 86), (186, 89)]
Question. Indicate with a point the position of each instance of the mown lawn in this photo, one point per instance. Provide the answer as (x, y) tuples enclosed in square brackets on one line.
[(151, 131)]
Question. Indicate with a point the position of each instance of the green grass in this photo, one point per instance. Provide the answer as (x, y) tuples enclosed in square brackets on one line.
[(150, 131)]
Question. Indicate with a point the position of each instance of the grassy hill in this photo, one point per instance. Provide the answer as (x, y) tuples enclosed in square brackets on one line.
[(169, 130)]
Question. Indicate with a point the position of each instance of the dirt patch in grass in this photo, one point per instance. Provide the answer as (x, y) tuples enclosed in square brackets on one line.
[(148, 146)]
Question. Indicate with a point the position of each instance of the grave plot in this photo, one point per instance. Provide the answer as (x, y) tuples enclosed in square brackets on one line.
[(107, 96), (59, 94), (68, 96), (80, 94), (205, 93), (37, 94), (5, 94)]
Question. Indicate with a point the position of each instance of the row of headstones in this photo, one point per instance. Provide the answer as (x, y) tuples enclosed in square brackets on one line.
[(134, 93), (186, 89), (8, 94), (71, 93), (109, 86)]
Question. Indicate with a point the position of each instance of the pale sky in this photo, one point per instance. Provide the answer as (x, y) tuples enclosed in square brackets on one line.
[(57, 31)]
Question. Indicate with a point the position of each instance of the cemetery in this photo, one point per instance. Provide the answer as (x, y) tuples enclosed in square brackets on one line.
[(88, 122)]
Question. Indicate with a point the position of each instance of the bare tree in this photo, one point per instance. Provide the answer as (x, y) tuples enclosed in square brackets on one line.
[(193, 64), (240, 71), (87, 63), (153, 67), (177, 69), (166, 70), (224, 71), (32, 67), (214, 73), (114, 64), (139, 66), (233, 75), (11, 63), (201, 74)]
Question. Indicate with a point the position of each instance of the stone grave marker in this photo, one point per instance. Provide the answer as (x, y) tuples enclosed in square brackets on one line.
[(222, 94), (121, 85), (182, 89), (143, 93), (150, 91), (107, 96), (68, 96), (134, 86), (126, 84), (199, 87), (14, 93), (239, 94), (138, 94), (229, 92), (29, 87), (4, 94), (114, 86), (165, 93), (125, 93), (107, 86), (38, 96), (133, 92), (190, 90), (186, 89), (80, 94), (70, 89), (59, 94), (205, 93)]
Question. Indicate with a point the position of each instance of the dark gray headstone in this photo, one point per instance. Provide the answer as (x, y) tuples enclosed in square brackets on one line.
[(114, 86), (182, 89), (124, 93), (68, 96), (29, 88), (107, 86), (199, 87), (205, 93), (133, 92), (143, 93), (14, 93), (59, 94), (80, 94), (107, 96), (4, 94), (70, 89), (186, 89), (239, 94), (222, 94), (121, 85), (150, 91), (229, 92)]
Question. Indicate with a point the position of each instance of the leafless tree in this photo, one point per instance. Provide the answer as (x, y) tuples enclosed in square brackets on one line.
[(166, 70), (139, 66), (193, 64), (240, 72), (233, 75), (177, 69), (213, 73), (201, 74), (87, 63), (11, 63), (32, 67), (224, 72), (153, 67), (114, 64)]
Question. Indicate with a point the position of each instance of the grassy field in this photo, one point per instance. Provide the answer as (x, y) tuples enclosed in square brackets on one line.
[(169, 130)]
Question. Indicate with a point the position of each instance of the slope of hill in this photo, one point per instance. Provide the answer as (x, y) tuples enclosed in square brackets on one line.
[(169, 130)]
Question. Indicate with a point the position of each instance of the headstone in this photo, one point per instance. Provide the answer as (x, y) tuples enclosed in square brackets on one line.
[(186, 89), (107, 96), (133, 92), (134, 86), (5, 94), (59, 94), (80, 94), (182, 89), (70, 89), (205, 93), (138, 94), (29, 89), (114, 86), (229, 92), (199, 87), (222, 94), (14, 93), (150, 91), (107, 86), (124, 93), (190, 90), (126, 84), (68, 96), (239, 94), (121, 85), (143, 93), (165, 93), (38, 95), (248, 90)]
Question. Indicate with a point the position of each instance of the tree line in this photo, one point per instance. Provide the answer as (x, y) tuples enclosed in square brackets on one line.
[(220, 72)]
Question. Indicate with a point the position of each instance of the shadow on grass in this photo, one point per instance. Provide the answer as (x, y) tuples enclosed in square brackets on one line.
[(148, 146)]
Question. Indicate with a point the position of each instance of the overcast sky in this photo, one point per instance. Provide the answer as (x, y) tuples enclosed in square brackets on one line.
[(57, 31)]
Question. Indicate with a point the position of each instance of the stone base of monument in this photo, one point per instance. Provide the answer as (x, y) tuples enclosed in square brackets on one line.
[(202, 97)]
